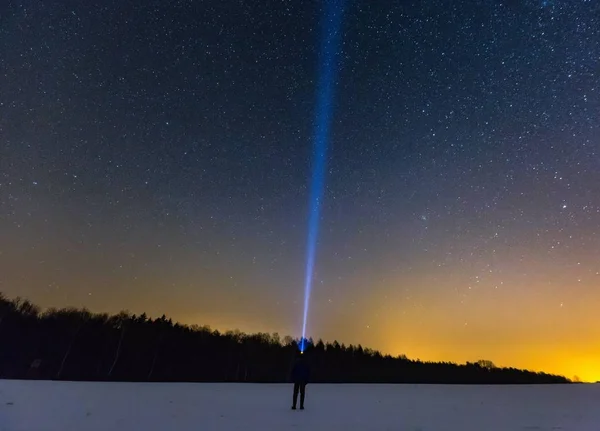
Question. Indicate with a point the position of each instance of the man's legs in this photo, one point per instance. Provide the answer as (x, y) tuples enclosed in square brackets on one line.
[(296, 388), (302, 392)]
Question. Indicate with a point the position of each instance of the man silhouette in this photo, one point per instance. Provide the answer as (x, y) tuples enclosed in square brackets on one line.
[(300, 376)]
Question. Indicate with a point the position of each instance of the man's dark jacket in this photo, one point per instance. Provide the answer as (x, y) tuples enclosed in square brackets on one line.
[(300, 371)]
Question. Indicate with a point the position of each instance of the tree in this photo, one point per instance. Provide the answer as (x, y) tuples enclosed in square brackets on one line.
[(484, 363), (120, 323), (78, 345)]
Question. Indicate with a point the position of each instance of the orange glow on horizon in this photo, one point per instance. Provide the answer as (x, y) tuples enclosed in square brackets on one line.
[(535, 314)]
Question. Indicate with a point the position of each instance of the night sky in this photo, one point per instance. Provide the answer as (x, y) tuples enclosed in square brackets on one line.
[(156, 156)]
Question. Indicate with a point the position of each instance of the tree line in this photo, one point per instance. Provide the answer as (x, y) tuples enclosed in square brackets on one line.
[(75, 344)]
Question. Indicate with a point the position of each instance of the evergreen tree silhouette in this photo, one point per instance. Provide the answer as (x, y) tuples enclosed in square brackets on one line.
[(74, 344)]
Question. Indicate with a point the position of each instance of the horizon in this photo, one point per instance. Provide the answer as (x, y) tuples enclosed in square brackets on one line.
[(224, 330), (435, 194)]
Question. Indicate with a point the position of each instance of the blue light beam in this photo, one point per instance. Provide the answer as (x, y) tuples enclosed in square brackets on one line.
[(330, 40)]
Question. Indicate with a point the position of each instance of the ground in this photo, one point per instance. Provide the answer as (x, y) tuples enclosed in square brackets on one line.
[(70, 406)]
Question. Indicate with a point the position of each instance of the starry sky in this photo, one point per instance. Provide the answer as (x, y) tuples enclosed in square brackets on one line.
[(156, 156)]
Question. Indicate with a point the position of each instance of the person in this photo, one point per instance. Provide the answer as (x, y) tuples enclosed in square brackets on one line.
[(300, 377)]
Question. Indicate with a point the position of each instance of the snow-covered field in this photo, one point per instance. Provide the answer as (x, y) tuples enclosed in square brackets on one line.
[(65, 406)]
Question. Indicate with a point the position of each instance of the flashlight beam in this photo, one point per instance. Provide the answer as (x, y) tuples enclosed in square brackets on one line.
[(331, 29)]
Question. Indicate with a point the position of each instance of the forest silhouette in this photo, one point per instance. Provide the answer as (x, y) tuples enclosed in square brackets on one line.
[(75, 344)]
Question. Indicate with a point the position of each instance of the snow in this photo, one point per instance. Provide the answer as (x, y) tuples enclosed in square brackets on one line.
[(82, 406)]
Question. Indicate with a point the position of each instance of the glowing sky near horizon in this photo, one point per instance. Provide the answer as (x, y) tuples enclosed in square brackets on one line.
[(154, 157)]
